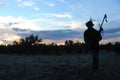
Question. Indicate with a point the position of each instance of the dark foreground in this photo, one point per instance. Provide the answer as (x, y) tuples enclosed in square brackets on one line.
[(66, 67)]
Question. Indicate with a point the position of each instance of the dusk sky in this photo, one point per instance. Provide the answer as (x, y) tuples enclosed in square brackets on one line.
[(41, 15)]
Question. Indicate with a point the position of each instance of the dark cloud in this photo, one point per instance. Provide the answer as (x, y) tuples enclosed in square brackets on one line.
[(111, 33), (113, 30), (59, 34), (65, 34), (52, 35)]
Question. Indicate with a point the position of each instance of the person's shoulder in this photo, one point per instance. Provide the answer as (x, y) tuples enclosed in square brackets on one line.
[(86, 31), (95, 30)]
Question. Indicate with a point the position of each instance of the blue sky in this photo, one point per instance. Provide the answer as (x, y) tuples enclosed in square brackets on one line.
[(48, 15)]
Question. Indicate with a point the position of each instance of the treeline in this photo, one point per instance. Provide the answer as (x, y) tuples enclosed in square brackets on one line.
[(32, 46), (115, 47)]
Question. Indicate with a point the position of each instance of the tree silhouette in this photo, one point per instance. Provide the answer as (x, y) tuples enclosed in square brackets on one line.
[(69, 42), (29, 41)]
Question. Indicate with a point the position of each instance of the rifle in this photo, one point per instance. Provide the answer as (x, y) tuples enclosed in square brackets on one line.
[(104, 19)]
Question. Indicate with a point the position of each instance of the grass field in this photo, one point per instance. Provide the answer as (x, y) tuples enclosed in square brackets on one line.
[(65, 67)]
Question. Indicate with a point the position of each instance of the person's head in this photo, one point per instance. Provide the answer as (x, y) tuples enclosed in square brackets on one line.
[(89, 24)]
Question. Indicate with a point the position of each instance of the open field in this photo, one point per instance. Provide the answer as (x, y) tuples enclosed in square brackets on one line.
[(65, 67)]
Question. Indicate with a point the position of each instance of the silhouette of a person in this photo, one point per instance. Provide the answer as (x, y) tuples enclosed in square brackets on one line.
[(92, 38)]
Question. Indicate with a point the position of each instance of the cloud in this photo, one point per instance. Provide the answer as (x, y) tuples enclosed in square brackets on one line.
[(37, 8), (51, 4), (57, 36), (56, 15), (113, 30), (37, 24), (25, 3), (65, 15), (53, 21), (7, 36), (27, 24), (9, 21), (51, 24), (52, 34), (28, 3), (57, 30), (19, 22)]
